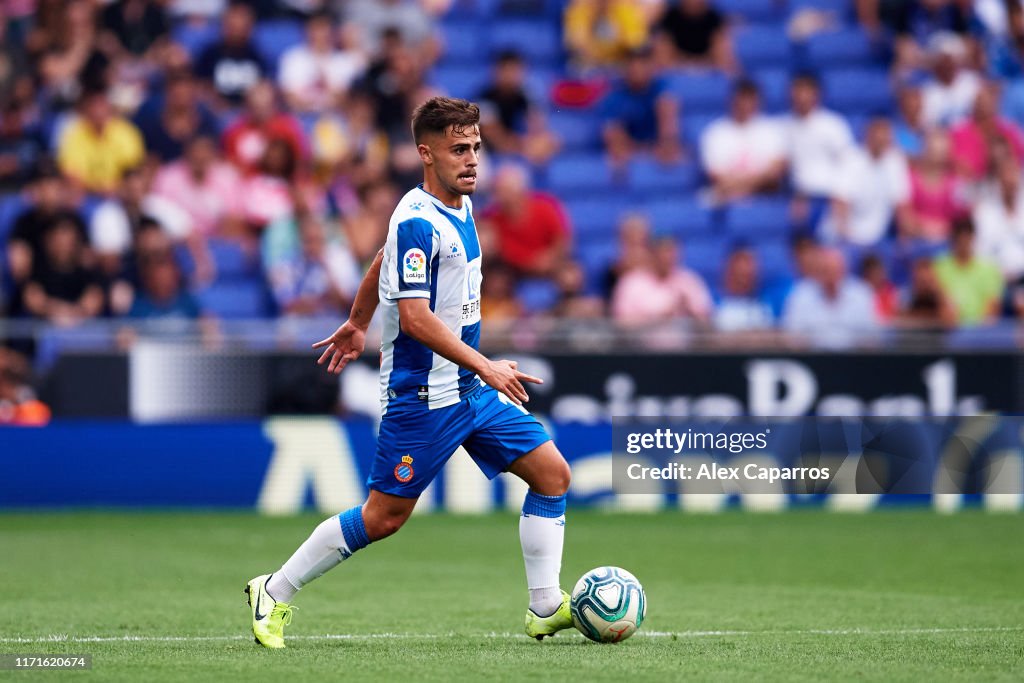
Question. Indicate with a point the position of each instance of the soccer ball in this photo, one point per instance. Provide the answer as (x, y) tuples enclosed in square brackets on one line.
[(608, 604)]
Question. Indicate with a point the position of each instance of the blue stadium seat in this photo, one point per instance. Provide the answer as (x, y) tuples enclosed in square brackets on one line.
[(579, 131), (751, 10), (775, 261), (273, 38), (537, 296), (683, 217), (700, 92), (594, 217), (706, 256), (760, 46), (536, 40), (236, 299), (462, 40), (774, 84), (649, 177), (580, 174), (11, 206), (758, 218), (694, 124), (195, 37), (232, 260), (460, 81), (845, 47), (860, 91), (595, 256)]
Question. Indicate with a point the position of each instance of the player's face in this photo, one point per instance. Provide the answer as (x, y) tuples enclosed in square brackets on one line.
[(455, 158)]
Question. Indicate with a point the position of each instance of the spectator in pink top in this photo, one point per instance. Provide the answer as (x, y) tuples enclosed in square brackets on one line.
[(661, 292), (936, 193), (205, 186), (974, 138)]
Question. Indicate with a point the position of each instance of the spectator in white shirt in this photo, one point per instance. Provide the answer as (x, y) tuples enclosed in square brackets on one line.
[(313, 74), (832, 310), (999, 219), (743, 153), (949, 95), (873, 185), (818, 142)]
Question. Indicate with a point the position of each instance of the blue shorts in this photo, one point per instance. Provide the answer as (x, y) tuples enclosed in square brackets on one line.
[(413, 446)]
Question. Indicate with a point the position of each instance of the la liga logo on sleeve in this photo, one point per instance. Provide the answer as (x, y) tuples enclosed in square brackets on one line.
[(414, 267)]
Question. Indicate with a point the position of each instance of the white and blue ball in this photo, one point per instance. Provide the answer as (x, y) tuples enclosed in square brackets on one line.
[(608, 605)]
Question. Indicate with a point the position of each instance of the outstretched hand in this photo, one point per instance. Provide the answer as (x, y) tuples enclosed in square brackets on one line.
[(504, 376), (346, 344)]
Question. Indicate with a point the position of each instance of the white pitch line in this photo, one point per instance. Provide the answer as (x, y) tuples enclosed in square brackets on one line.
[(62, 638)]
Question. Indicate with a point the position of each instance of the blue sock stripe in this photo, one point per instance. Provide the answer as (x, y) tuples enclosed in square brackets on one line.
[(544, 506), (353, 528)]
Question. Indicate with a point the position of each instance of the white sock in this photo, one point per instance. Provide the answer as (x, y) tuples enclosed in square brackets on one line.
[(325, 549), (541, 538)]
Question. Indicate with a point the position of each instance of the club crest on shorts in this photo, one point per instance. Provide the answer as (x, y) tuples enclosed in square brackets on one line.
[(403, 470)]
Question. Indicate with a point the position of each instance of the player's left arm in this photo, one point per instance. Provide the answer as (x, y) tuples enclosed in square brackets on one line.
[(349, 340)]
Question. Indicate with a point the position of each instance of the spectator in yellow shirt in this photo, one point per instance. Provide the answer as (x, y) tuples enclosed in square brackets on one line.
[(603, 32), (98, 146)]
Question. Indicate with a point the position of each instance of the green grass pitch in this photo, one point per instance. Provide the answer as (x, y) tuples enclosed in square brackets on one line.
[(903, 595)]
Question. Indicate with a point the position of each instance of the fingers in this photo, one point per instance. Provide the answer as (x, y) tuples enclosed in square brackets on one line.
[(511, 396), (322, 342), (325, 354), (523, 377)]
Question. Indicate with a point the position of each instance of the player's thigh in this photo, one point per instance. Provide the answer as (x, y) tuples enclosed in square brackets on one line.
[(544, 470), (504, 434), (412, 449)]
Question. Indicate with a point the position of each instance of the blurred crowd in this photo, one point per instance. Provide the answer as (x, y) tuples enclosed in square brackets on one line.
[(196, 159)]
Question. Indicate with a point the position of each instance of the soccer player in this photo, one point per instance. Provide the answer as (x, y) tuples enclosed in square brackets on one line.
[(437, 391)]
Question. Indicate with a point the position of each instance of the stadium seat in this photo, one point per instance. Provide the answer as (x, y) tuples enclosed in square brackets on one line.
[(580, 174), (273, 38), (775, 260), (236, 299), (700, 92), (751, 10), (683, 217), (762, 46), (232, 260), (774, 84), (537, 296), (594, 218), (536, 40), (845, 47), (694, 124), (861, 91), (706, 256), (579, 131), (11, 206), (758, 218), (460, 81), (650, 178), (462, 40), (195, 37)]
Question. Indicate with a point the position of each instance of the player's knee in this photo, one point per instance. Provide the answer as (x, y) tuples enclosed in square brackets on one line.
[(561, 478)]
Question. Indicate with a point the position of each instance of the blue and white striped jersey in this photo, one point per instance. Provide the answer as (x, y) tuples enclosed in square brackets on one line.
[(433, 252)]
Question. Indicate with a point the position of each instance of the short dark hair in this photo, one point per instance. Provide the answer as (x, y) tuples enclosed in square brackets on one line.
[(806, 78), (438, 114), (746, 86), (962, 225)]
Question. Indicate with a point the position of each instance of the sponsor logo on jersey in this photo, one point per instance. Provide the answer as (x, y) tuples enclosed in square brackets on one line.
[(403, 470), (414, 266)]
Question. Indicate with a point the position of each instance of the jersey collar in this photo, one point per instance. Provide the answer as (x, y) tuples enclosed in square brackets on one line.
[(458, 213)]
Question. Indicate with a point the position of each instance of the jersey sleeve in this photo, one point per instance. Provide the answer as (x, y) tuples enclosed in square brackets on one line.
[(414, 255)]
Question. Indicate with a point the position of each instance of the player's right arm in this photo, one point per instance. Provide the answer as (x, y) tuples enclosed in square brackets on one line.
[(419, 322), (349, 340)]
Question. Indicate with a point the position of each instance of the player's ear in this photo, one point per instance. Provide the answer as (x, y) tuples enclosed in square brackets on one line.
[(425, 155)]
